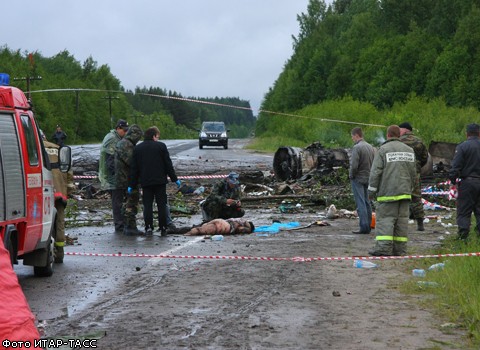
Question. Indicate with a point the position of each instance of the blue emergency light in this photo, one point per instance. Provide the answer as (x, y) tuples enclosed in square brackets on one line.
[(4, 79)]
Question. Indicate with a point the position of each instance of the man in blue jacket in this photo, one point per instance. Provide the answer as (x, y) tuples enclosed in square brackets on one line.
[(151, 164)]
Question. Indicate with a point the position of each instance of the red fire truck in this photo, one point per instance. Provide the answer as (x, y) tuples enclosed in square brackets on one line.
[(27, 212)]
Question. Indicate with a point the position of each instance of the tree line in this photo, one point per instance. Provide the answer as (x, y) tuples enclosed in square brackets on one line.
[(386, 54), (87, 99)]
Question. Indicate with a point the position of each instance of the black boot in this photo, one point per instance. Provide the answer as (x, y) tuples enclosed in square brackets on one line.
[(58, 255), (132, 231), (463, 234), (420, 226)]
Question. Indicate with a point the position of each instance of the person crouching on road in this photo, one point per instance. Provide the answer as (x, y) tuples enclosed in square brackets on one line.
[(123, 159), (224, 200), (223, 227), (150, 166), (391, 180)]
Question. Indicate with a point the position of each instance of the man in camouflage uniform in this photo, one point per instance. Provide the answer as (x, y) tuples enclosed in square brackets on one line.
[(123, 158), (421, 158), (63, 187), (224, 200)]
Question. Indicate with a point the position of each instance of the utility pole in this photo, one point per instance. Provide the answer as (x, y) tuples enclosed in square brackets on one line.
[(110, 98), (137, 116), (77, 112), (28, 80)]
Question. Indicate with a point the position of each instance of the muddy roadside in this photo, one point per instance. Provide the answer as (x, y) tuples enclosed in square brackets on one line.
[(261, 292), (279, 301)]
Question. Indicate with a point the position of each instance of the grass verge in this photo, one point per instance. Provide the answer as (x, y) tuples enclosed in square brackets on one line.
[(454, 290)]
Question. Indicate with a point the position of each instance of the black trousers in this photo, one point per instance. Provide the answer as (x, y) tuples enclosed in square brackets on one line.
[(468, 202), (159, 194), (118, 198)]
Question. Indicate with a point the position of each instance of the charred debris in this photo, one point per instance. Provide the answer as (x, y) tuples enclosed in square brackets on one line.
[(314, 176)]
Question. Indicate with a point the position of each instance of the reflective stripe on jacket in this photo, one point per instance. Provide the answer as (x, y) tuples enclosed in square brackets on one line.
[(391, 238), (393, 172)]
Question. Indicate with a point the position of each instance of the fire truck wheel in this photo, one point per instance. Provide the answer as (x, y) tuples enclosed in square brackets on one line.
[(46, 271)]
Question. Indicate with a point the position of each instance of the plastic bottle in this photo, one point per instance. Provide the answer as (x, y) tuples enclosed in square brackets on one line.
[(199, 190), (427, 284), (419, 272), (364, 264), (217, 238), (436, 267)]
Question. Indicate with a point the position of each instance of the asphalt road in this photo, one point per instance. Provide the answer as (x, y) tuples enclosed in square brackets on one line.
[(278, 302), (81, 280)]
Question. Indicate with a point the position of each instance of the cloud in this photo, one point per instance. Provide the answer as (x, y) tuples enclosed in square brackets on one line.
[(207, 48)]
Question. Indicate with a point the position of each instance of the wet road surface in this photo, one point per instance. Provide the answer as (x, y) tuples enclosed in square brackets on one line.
[(81, 280)]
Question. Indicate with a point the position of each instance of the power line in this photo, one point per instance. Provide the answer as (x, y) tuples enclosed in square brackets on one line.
[(220, 105)]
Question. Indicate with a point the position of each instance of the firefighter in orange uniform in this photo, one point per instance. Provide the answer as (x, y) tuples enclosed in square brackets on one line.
[(63, 187)]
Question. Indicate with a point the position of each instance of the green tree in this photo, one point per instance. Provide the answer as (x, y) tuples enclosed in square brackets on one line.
[(309, 21)]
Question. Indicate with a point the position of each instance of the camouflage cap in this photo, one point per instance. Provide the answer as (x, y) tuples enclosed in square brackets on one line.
[(232, 178)]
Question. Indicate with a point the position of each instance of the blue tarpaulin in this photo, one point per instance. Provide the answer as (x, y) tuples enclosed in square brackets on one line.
[(275, 227)]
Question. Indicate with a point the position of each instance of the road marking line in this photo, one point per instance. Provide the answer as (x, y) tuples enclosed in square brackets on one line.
[(156, 260)]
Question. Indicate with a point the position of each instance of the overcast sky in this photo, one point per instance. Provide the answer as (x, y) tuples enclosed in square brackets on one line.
[(199, 48)]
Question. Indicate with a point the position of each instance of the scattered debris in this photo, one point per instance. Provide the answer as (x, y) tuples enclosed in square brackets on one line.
[(332, 212), (70, 240), (293, 162)]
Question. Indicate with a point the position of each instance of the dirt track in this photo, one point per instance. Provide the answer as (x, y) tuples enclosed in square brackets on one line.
[(244, 304)]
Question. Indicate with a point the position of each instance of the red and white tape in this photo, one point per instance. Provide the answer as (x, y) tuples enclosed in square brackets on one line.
[(180, 177), (266, 258), (429, 205), (202, 177)]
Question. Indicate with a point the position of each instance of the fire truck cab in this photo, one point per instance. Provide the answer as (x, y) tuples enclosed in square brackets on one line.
[(27, 211)]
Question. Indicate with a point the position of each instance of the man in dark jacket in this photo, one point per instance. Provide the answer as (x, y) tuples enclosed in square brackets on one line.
[(123, 159), (466, 168), (421, 158), (150, 166), (59, 137)]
